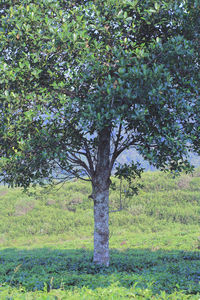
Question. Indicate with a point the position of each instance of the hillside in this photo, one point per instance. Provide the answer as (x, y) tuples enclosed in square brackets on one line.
[(46, 242)]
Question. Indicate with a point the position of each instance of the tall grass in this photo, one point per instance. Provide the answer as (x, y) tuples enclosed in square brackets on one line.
[(46, 242)]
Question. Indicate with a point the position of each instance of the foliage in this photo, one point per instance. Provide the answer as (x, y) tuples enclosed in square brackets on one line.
[(70, 70), (128, 186), (193, 31)]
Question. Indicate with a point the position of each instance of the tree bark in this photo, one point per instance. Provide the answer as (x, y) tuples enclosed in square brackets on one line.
[(100, 184), (101, 228)]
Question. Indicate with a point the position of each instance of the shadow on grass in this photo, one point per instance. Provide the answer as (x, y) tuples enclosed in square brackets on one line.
[(54, 268)]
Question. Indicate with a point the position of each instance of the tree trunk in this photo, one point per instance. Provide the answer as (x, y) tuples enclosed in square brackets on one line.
[(101, 183), (101, 228)]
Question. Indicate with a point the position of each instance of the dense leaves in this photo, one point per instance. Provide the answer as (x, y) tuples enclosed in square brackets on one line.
[(70, 69)]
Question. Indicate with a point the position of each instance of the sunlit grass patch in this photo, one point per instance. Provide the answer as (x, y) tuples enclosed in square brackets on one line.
[(46, 243)]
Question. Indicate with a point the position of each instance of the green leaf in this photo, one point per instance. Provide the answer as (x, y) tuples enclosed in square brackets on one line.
[(74, 37), (157, 6)]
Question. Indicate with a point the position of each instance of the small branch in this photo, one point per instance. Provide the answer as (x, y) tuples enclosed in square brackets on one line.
[(120, 199), (116, 147), (79, 152), (89, 158), (73, 173), (80, 177), (79, 162)]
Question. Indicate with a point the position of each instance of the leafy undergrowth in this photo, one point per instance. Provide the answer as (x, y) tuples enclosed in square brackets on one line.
[(46, 243), (153, 271), (114, 292)]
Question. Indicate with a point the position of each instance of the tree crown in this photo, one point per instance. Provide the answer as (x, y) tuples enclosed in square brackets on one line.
[(72, 69)]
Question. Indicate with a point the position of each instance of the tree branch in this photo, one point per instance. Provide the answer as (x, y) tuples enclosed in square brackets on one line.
[(116, 147), (89, 158)]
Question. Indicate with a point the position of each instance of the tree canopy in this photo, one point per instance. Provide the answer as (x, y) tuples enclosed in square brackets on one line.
[(82, 81)]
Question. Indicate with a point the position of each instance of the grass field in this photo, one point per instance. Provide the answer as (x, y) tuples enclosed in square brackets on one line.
[(46, 243)]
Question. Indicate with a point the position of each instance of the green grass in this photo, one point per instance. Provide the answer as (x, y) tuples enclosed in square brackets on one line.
[(46, 243)]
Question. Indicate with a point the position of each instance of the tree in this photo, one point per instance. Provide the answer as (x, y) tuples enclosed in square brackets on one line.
[(191, 29), (82, 81)]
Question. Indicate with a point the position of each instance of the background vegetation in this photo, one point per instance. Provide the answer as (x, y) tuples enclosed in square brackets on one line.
[(133, 155), (46, 242)]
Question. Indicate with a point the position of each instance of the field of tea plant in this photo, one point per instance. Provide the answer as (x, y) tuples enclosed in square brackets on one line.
[(46, 242)]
